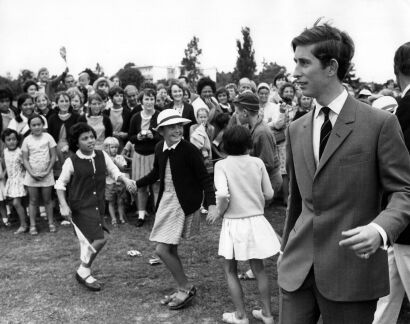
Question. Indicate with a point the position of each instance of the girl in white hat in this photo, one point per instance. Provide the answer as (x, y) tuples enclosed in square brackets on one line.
[(184, 181)]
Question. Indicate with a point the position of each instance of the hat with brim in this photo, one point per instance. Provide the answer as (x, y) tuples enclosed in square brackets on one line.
[(247, 100), (170, 117)]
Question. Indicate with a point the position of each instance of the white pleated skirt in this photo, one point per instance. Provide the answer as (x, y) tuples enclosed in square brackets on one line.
[(248, 238)]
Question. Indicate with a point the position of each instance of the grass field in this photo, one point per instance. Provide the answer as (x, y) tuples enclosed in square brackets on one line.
[(37, 282)]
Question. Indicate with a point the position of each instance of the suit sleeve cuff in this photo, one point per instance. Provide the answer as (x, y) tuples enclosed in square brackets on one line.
[(382, 233)]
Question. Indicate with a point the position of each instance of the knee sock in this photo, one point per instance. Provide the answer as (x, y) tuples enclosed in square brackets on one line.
[(141, 214)]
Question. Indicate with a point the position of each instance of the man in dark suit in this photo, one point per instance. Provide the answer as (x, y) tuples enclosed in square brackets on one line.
[(388, 308), (340, 158)]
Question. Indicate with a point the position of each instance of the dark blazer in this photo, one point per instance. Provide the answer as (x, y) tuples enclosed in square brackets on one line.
[(106, 122), (189, 175), (147, 145), (187, 112), (403, 115), (55, 123), (126, 118), (364, 157)]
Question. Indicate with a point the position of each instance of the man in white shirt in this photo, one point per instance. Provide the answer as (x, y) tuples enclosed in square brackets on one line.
[(340, 158)]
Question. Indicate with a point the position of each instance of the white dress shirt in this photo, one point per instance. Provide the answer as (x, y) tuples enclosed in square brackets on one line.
[(172, 147), (318, 118)]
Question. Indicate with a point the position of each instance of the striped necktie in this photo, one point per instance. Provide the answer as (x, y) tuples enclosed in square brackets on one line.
[(325, 130)]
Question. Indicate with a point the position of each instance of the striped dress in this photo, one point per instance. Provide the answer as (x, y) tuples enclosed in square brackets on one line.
[(170, 221)]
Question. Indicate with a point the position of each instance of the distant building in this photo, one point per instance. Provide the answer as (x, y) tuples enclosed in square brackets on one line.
[(153, 73)]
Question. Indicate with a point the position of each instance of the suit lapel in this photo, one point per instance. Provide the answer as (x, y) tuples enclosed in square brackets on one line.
[(340, 132), (307, 144)]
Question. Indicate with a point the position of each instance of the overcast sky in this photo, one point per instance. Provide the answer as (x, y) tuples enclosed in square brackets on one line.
[(155, 32)]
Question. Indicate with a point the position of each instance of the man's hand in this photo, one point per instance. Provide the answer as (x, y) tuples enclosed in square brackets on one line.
[(130, 185), (363, 240), (213, 214)]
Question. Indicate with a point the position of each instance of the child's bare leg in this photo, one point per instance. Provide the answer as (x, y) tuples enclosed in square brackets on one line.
[(121, 209), (48, 203), (142, 198), (169, 255), (21, 211), (263, 285), (155, 191), (234, 286), (3, 212), (111, 210), (33, 193)]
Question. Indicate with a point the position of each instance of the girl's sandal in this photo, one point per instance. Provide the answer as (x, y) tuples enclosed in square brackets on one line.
[(52, 228), (21, 230), (114, 223), (179, 301), (248, 275), (33, 231), (168, 298)]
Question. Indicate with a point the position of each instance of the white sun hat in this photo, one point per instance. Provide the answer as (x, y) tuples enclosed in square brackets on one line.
[(170, 117), (385, 103)]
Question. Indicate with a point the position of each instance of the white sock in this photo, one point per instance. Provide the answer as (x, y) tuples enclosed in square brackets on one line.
[(83, 271), (141, 214)]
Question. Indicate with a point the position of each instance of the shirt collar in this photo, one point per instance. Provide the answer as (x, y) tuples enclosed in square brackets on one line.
[(166, 147), (83, 156), (336, 105), (406, 89)]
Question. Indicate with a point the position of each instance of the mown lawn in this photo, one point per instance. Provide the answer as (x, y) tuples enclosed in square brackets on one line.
[(37, 282)]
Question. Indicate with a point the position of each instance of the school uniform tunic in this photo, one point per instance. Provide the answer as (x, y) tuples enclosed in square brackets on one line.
[(84, 178)]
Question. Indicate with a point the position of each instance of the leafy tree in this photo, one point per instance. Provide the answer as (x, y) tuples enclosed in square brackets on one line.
[(351, 78), (245, 63), (190, 63), (269, 72), (130, 75), (129, 65)]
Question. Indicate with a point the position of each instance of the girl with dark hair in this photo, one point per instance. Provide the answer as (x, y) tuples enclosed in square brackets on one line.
[(31, 88), (245, 234), (81, 191), (176, 92), (222, 95), (206, 89), (60, 123), (119, 115), (39, 155), (13, 160), (97, 120), (25, 109), (8, 112)]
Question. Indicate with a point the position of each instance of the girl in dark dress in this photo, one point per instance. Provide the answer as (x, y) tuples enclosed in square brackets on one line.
[(81, 190)]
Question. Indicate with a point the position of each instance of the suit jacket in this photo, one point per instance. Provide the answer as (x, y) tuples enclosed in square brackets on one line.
[(364, 157), (403, 115)]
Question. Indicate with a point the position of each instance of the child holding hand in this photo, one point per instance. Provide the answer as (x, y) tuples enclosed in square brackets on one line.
[(183, 179), (114, 190), (242, 187)]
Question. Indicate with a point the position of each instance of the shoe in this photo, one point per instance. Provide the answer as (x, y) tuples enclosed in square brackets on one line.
[(33, 231), (21, 230), (140, 222), (248, 275), (177, 302), (122, 221), (6, 222), (168, 298), (114, 223), (93, 286), (52, 228), (231, 318), (257, 313)]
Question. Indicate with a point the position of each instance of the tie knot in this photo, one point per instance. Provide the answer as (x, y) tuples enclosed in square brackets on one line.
[(326, 111)]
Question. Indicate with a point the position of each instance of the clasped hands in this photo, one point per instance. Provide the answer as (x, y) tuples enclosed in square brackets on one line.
[(130, 185), (362, 240)]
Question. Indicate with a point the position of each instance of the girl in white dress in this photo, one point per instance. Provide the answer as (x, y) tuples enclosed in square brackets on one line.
[(242, 186), (14, 189)]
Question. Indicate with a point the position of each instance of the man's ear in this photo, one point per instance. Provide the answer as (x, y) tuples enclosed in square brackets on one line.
[(333, 67)]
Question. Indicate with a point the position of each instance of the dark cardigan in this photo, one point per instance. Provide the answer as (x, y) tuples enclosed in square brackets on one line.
[(189, 176), (147, 145), (106, 122), (126, 118), (188, 113), (55, 123)]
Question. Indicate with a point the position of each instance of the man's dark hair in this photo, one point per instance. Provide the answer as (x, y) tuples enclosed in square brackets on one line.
[(329, 43), (402, 60)]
